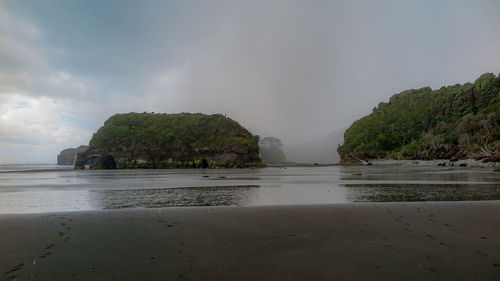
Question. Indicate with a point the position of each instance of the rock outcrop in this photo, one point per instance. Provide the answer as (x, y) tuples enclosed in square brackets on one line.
[(68, 155), (185, 140)]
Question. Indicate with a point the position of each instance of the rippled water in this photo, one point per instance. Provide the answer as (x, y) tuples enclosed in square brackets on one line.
[(46, 188)]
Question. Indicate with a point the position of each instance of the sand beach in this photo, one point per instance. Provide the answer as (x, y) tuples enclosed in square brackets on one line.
[(368, 241)]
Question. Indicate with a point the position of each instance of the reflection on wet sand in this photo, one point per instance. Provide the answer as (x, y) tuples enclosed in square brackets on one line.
[(422, 192), (173, 197)]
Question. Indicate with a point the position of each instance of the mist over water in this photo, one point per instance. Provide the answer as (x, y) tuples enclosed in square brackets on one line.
[(35, 190)]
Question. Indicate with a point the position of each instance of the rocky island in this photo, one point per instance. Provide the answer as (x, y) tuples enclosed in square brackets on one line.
[(454, 122), (185, 140)]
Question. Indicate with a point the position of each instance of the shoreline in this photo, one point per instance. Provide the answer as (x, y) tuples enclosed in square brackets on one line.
[(463, 163), (438, 162), (360, 241)]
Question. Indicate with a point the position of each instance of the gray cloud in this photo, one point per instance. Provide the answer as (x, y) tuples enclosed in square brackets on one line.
[(291, 69)]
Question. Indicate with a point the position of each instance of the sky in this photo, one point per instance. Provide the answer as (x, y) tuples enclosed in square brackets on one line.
[(296, 70)]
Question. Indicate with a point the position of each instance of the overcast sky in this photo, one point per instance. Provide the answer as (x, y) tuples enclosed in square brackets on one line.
[(296, 70)]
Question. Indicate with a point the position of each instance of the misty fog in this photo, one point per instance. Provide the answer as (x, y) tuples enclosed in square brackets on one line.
[(301, 71)]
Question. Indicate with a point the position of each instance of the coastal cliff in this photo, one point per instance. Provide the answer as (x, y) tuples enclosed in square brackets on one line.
[(454, 122), (185, 140), (68, 155)]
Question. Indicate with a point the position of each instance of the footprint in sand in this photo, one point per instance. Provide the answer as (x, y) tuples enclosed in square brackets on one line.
[(14, 269), (45, 255)]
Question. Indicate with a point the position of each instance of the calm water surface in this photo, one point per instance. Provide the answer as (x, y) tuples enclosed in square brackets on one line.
[(49, 188)]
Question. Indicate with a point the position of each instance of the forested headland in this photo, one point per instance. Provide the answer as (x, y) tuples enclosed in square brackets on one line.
[(453, 122)]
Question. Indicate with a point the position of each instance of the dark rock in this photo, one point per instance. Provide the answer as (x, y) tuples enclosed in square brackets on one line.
[(462, 165), (204, 163)]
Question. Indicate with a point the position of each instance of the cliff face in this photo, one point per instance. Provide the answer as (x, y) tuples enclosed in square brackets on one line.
[(68, 155), (455, 122), (147, 140)]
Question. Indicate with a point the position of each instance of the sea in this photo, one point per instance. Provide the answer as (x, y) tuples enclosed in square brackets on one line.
[(52, 188)]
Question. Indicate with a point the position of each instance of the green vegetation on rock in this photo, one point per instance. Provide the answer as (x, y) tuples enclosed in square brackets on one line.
[(185, 140), (454, 122)]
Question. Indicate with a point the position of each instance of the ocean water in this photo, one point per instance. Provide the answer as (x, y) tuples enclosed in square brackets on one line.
[(50, 188)]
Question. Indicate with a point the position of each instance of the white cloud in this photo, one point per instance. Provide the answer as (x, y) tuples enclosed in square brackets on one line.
[(30, 123), (23, 116), (38, 103)]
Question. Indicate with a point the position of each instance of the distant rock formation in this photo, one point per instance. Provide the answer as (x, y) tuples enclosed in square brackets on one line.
[(185, 140), (68, 155), (270, 150)]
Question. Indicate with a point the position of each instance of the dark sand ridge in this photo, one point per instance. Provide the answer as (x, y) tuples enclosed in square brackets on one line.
[(372, 241)]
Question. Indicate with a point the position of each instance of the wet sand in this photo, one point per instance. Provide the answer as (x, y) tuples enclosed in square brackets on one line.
[(371, 241)]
